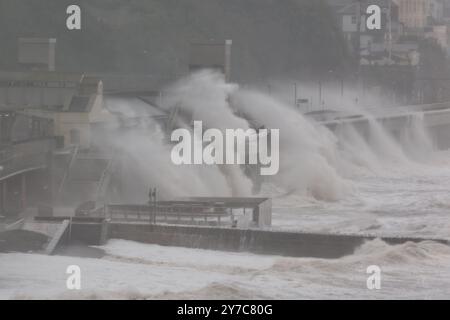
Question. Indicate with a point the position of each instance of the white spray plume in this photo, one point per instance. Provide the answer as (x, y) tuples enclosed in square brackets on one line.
[(314, 161)]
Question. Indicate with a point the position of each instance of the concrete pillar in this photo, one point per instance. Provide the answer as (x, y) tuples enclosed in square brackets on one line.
[(3, 197), (2, 210), (7, 94), (23, 191)]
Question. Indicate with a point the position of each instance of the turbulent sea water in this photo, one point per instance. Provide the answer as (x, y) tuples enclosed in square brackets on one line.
[(414, 204), (136, 271), (329, 182)]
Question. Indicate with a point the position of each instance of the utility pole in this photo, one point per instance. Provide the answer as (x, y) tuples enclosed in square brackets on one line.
[(390, 30), (152, 205), (320, 95), (295, 94), (358, 31), (358, 40)]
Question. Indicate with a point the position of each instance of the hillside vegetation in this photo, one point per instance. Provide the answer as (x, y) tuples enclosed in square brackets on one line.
[(271, 38)]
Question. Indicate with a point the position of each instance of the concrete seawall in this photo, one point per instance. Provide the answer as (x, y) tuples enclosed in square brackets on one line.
[(90, 231), (293, 244), (436, 120), (96, 231)]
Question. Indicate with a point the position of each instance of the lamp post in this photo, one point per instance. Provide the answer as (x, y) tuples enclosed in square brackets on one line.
[(2, 195), (152, 205), (358, 40)]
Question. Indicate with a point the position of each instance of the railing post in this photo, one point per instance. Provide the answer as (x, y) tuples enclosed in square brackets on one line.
[(150, 213), (70, 230)]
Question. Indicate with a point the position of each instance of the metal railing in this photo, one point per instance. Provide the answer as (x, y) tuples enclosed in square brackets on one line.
[(172, 213)]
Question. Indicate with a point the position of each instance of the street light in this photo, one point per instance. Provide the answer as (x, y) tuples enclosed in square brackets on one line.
[(152, 205)]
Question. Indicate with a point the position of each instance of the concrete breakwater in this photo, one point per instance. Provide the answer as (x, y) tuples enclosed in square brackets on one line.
[(63, 231), (95, 231), (295, 244), (239, 240)]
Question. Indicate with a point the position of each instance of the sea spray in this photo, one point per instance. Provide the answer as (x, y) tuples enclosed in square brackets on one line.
[(357, 156), (307, 152), (416, 140), (385, 146), (145, 158), (315, 162)]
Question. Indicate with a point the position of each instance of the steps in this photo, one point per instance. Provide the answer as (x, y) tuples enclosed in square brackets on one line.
[(55, 241)]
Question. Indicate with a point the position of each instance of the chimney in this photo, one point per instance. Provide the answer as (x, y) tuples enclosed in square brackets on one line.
[(211, 55), (37, 53)]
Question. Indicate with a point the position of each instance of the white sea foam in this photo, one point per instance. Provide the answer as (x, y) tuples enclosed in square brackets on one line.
[(138, 271)]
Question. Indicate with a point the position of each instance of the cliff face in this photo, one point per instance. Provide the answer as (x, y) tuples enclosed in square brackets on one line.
[(271, 38)]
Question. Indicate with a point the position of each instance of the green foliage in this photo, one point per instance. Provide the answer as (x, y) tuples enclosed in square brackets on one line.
[(270, 37)]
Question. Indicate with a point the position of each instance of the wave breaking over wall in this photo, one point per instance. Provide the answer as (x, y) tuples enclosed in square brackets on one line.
[(315, 162)]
